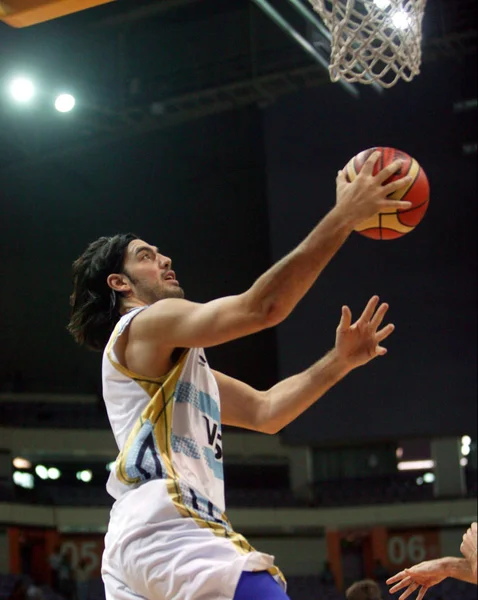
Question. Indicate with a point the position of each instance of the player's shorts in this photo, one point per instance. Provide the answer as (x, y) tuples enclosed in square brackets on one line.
[(259, 586), (153, 553)]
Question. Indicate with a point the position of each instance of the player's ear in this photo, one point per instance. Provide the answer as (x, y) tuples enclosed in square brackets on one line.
[(118, 282)]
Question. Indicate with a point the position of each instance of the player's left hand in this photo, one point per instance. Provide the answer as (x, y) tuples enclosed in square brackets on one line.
[(424, 576), (358, 343)]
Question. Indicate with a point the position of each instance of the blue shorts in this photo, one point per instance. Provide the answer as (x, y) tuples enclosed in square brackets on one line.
[(259, 585)]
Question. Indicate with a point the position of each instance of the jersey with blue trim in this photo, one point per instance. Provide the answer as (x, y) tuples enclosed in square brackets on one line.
[(168, 430)]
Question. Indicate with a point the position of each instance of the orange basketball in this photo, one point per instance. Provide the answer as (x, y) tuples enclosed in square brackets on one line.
[(392, 225)]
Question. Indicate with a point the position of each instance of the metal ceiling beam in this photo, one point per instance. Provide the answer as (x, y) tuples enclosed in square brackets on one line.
[(279, 20)]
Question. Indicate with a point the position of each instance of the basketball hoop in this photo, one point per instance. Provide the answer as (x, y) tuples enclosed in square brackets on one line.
[(373, 40)]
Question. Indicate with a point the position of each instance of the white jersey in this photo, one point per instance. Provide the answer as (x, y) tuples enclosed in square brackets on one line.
[(169, 484)]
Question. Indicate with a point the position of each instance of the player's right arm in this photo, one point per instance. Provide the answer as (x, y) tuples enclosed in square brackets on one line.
[(428, 574), (174, 323)]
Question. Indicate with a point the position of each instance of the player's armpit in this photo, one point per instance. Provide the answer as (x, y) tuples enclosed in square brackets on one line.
[(177, 323), (242, 405)]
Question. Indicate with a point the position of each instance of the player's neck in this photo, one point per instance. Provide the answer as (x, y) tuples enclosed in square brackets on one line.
[(129, 304)]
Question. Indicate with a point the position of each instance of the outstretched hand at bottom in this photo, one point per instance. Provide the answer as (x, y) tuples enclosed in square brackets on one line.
[(360, 342), (424, 576)]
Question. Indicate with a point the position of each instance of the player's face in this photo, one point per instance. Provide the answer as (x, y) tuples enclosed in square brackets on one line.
[(150, 273)]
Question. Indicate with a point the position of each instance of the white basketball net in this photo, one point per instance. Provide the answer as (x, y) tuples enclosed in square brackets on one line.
[(373, 40)]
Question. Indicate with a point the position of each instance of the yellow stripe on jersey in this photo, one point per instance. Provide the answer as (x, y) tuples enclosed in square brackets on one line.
[(237, 539), (159, 412)]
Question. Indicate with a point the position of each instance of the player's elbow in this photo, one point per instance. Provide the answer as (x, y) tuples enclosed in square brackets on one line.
[(274, 315), (271, 313), (260, 314), (270, 428), (264, 419)]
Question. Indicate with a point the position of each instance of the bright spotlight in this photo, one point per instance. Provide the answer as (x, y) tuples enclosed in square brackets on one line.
[(429, 477), (24, 480), (401, 20), (22, 89), (54, 473), (382, 4), (110, 466), (85, 476), (465, 450), (21, 463), (65, 103), (415, 465), (463, 462), (41, 471), (466, 440)]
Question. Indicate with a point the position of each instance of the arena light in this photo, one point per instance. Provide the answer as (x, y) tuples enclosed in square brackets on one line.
[(21, 463), (466, 440), (399, 452), (54, 473), (65, 103), (401, 20), (24, 480), (465, 450), (84, 476), (415, 465), (429, 477), (382, 4), (110, 466), (463, 462), (41, 471), (22, 89)]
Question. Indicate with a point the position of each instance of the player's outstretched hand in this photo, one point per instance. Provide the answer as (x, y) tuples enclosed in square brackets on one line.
[(468, 547), (424, 576), (358, 343), (367, 195)]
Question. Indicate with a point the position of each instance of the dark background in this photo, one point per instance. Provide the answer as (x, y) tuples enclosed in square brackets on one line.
[(225, 194), (427, 383)]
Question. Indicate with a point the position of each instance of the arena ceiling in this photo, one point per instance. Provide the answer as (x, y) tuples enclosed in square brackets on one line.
[(138, 66)]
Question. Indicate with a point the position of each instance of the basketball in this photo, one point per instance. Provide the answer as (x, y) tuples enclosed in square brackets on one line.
[(392, 225)]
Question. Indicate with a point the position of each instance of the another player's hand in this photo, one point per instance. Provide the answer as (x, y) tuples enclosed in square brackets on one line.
[(468, 547), (424, 576), (366, 195), (358, 343)]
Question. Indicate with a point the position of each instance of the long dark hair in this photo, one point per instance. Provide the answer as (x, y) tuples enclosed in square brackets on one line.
[(94, 305)]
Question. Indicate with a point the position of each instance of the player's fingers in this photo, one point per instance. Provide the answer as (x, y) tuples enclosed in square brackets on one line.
[(369, 164), (393, 205), (396, 577), (384, 332), (380, 351), (397, 184), (422, 592), (369, 310), (379, 316), (345, 319), (340, 176), (406, 581), (409, 592), (388, 171)]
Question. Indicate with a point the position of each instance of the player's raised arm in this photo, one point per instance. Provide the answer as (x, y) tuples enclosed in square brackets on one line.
[(178, 323)]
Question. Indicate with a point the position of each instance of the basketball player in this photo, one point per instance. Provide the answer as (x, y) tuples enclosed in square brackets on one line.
[(168, 536), (431, 572)]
